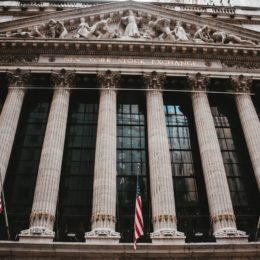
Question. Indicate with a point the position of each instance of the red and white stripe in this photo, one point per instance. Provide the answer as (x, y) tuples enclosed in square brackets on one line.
[(139, 224), (1, 205)]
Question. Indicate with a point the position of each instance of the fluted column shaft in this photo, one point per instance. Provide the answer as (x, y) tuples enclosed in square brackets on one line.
[(104, 189), (10, 116), (220, 204), (219, 198), (249, 121), (161, 182), (48, 179), (104, 196), (47, 185), (162, 195)]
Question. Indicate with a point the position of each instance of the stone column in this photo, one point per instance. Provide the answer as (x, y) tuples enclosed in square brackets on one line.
[(47, 185), (249, 121), (10, 116), (162, 193), (220, 204), (104, 191)]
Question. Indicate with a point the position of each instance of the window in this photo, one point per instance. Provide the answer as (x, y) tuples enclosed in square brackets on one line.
[(131, 162), (24, 162), (76, 188)]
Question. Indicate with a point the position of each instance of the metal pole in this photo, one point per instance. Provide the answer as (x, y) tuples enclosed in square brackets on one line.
[(5, 211)]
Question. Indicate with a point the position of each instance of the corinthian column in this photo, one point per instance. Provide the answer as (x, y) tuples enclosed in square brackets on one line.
[(162, 194), (249, 121), (47, 185), (104, 191), (10, 116), (220, 204)]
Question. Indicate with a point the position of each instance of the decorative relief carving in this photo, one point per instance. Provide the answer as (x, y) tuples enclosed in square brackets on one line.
[(223, 217), (63, 78), (108, 79), (18, 59), (239, 65), (127, 24), (18, 77), (198, 82), (225, 38), (41, 215), (241, 83), (154, 80)]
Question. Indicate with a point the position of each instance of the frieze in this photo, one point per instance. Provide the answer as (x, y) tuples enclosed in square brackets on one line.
[(240, 65), (13, 59), (126, 61)]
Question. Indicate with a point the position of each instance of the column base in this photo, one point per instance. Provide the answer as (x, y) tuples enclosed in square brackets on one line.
[(102, 236), (227, 236), (167, 237), (36, 235)]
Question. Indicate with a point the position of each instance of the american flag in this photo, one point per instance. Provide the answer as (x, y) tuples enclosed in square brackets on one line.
[(139, 224), (1, 205)]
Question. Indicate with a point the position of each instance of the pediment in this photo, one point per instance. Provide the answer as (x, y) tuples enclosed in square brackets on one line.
[(128, 21)]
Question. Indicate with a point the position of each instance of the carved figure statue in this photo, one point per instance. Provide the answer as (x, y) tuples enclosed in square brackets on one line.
[(83, 29), (51, 28), (224, 37), (61, 30), (161, 27), (100, 29), (203, 33), (131, 22), (55, 29), (36, 31), (180, 33)]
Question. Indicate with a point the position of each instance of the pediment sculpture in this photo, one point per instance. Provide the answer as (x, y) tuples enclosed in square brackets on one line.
[(130, 25)]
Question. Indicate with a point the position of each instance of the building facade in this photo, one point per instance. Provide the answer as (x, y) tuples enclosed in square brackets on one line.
[(95, 95)]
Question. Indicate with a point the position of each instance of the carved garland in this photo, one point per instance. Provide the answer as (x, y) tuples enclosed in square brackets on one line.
[(160, 218), (222, 217), (103, 217), (41, 215)]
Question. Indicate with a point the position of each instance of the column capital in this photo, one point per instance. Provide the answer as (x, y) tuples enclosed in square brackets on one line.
[(154, 80), (63, 78), (18, 77), (108, 79), (241, 83), (198, 81)]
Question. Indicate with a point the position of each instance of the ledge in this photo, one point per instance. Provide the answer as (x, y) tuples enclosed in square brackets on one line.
[(144, 251)]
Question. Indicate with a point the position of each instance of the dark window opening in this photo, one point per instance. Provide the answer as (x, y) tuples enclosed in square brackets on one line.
[(76, 185), (132, 162)]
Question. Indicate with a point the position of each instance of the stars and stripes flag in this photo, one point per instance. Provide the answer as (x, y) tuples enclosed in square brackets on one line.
[(1, 205), (139, 224)]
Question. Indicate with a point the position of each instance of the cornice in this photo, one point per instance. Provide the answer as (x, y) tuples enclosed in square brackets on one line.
[(150, 9), (130, 48)]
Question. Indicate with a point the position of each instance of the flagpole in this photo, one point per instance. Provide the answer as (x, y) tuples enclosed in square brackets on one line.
[(5, 211)]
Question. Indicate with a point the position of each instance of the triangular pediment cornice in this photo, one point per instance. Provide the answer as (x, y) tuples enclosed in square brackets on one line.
[(110, 9)]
